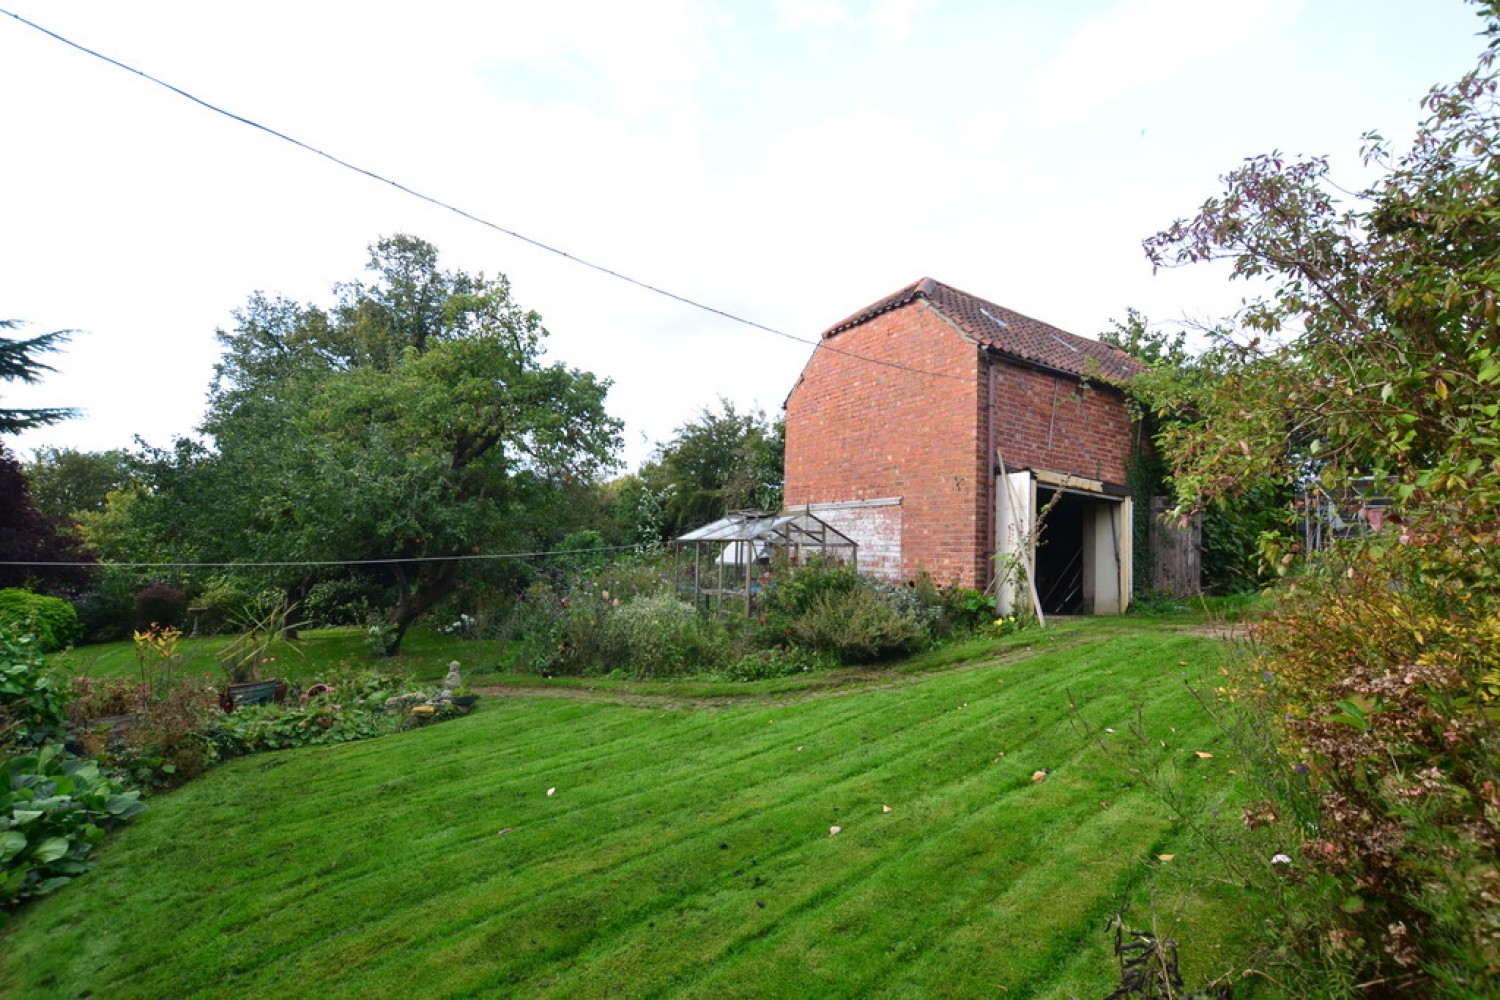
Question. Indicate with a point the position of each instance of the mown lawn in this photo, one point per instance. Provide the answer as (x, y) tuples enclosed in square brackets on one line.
[(685, 851)]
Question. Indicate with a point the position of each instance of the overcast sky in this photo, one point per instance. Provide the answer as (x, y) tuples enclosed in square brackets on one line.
[(789, 161)]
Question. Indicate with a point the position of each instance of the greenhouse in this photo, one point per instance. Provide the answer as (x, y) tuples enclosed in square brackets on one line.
[(732, 559)]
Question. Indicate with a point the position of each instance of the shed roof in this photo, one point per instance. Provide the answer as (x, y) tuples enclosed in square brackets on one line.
[(1006, 331)]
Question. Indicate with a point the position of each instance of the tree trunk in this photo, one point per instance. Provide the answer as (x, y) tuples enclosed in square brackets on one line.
[(434, 582)]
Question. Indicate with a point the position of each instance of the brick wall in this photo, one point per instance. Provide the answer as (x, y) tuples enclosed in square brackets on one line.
[(1052, 422), (861, 431)]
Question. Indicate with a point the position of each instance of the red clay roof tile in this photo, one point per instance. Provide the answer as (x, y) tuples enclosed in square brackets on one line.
[(1006, 331)]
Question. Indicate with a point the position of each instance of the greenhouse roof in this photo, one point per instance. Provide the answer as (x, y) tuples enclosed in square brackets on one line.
[(789, 528)]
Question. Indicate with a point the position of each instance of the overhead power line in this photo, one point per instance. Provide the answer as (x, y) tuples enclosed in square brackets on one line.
[(470, 216), (318, 562)]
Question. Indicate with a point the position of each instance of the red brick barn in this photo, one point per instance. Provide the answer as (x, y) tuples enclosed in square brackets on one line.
[(932, 426)]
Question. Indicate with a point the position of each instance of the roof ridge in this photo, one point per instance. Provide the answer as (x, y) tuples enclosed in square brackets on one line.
[(1005, 330)]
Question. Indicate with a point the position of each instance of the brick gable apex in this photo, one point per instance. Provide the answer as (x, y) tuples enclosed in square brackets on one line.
[(1005, 331)]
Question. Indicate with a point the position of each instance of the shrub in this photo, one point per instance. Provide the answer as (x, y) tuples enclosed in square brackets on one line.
[(794, 588), (659, 636), (106, 610), (855, 626), (52, 620), (159, 604), (1379, 671), (346, 601), (257, 728), (33, 701), (224, 601), (54, 809), (765, 664), (167, 741)]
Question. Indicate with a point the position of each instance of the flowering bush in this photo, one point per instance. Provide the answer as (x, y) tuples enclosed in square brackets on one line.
[(1380, 669)]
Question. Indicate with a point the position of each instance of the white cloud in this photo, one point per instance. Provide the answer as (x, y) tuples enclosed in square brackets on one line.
[(1141, 43), (889, 18)]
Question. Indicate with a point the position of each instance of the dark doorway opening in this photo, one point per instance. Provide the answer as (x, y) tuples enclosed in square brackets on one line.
[(1059, 553)]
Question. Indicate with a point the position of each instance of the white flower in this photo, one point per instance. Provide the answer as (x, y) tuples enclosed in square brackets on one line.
[(1280, 859)]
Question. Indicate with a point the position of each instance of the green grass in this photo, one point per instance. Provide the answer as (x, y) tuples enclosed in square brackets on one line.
[(685, 853), (317, 654)]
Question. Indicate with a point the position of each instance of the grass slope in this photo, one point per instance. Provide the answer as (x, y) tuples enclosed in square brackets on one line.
[(685, 852)]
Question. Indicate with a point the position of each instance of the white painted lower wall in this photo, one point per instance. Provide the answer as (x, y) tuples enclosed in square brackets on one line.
[(875, 525)]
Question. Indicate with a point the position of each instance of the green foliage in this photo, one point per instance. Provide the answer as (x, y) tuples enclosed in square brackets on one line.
[(714, 464), (160, 604), (106, 608), (65, 481), (33, 700), (1383, 660), (794, 588), (345, 601), (1163, 398), (54, 810), (337, 717), (1374, 354), (855, 626), (262, 640), (52, 620), (414, 418), (224, 600), (659, 636), (19, 362)]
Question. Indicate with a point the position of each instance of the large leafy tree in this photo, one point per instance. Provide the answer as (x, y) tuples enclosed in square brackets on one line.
[(414, 424), (66, 482), (20, 361), (717, 462)]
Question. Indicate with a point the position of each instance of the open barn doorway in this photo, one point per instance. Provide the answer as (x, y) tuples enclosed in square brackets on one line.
[(1078, 559)]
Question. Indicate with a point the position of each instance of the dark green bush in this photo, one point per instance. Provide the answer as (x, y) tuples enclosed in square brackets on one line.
[(794, 588), (160, 604), (855, 626), (54, 809), (224, 601), (106, 609), (52, 620), (346, 601)]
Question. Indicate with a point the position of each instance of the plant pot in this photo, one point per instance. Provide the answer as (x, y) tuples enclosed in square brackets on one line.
[(252, 693), (465, 700)]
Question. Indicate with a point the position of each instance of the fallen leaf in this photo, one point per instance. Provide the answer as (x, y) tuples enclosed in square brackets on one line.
[(833, 831), (885, 809), (506, 830), (1203, 754), (1040, 775), (550, 792), (1165, 857), (1109, 730), (1104, 805), (799, 749)]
